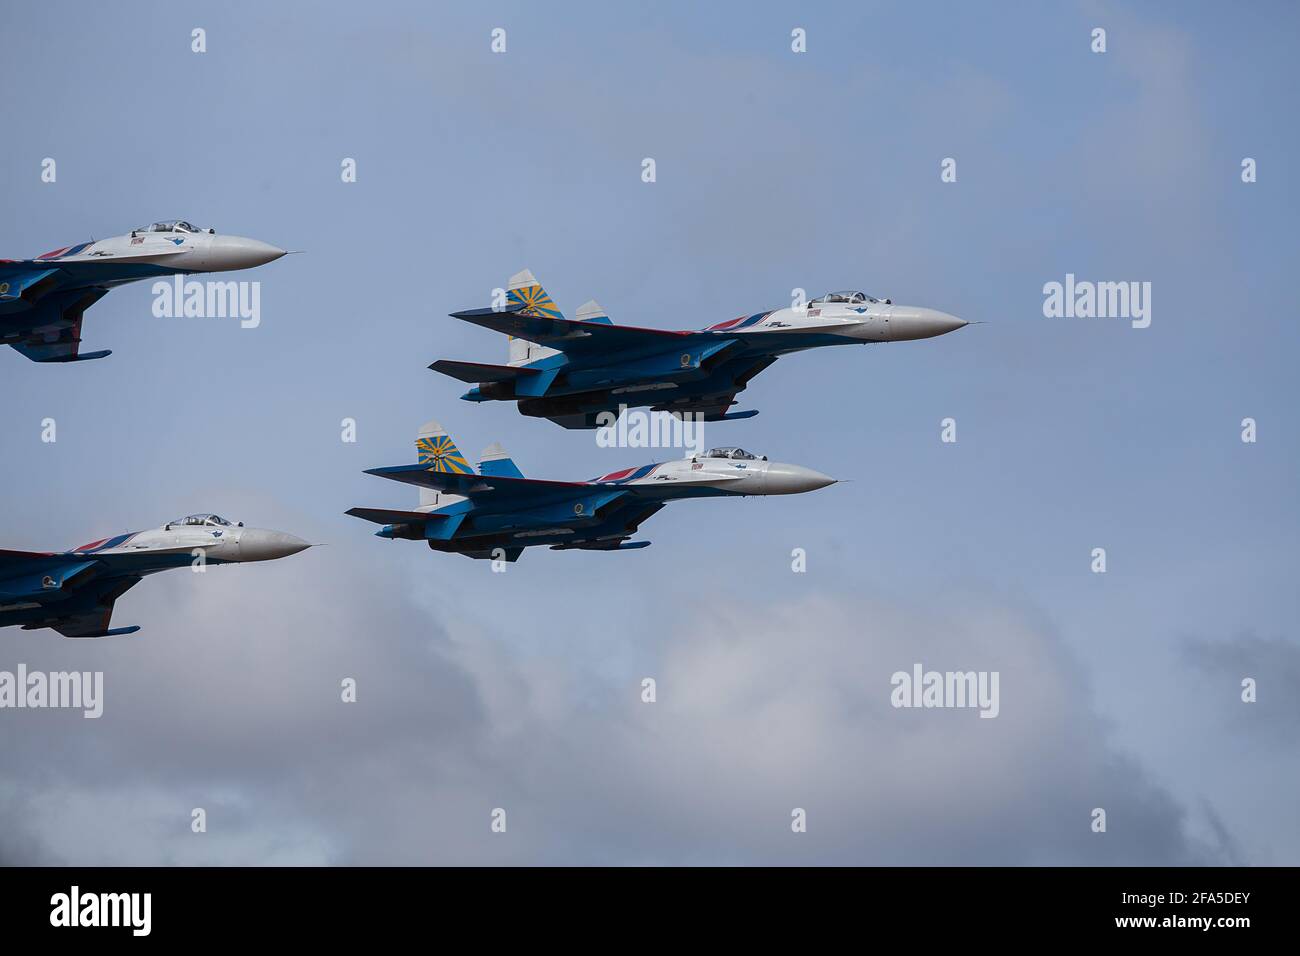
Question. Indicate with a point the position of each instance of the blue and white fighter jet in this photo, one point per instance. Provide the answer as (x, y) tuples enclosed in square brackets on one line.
[(42, 300), (73, 591), (573, 370), (496, 512)]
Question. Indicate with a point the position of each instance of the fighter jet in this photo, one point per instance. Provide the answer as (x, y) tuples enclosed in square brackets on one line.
[(496, 512), (73, 591), (42, 300), (573, 370)]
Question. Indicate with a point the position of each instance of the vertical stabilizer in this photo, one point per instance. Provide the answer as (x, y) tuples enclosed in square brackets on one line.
[(437, 451), (592, 312), (524, 289), (495, 461)]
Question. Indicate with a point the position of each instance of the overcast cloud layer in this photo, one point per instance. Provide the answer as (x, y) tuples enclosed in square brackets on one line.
[(523, 690)]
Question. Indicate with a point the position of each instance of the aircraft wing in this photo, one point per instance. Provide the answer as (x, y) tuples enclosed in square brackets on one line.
[(471, 486), (54, 328), (571, 335), (630, 519), (92, 613), (715, 406), (53, 292), (16, 562)]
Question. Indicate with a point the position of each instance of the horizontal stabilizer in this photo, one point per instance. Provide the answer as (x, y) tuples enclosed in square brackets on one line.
[(476, 373), (483, 316), (471, 484), (388, 516), (20, 558), (598, 335)]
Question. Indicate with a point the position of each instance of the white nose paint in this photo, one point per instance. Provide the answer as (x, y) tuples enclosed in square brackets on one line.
[(228, 253), (908, 323), (256, 544), (782, 479)]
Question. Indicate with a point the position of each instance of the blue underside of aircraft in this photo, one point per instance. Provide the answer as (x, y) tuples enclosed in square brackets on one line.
[(502, 515), (42, 304), (73, 592), (604, 532), (601, 368)]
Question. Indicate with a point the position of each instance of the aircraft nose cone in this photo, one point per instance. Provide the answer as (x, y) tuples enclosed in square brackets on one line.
[(258, 545), (794, 479), (908, 323), (236, 252)]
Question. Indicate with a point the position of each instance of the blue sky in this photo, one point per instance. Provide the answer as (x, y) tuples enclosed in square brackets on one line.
[(775, 170)]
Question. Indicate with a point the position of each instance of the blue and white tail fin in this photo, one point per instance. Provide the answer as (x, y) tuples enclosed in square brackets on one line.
[(592, 312), (435, 449), (494, 461), (524, 289)]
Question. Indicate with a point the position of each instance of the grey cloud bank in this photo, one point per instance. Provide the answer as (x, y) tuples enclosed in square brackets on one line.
[(760, 709)]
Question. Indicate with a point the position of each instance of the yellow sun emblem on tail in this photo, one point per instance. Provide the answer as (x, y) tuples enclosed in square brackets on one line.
[(441, 454), (535, 301)]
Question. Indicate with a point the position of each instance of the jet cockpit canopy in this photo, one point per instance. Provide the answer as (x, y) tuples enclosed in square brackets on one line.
[(199, 521), (847, 298), (169, 225), (738, 454)]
